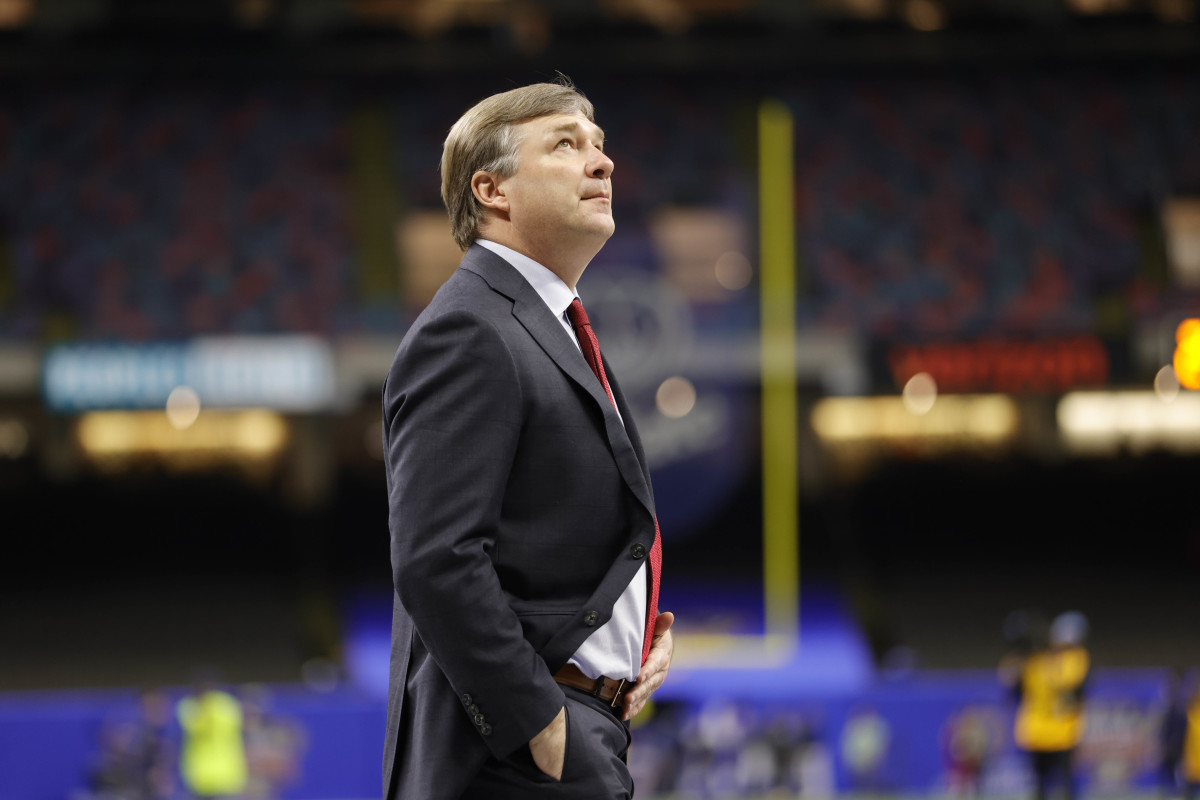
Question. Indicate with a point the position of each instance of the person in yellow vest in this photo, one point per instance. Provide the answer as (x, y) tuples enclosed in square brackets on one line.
[(213, 756), (1191, 749), (1050, 719)]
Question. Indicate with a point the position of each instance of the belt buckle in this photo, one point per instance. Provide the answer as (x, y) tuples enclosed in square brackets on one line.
[(617, 693)]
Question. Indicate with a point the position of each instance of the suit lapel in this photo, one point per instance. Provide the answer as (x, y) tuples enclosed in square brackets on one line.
[(532, 313)]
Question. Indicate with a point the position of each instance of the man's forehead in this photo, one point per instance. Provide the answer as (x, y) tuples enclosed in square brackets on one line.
[(556, 123)]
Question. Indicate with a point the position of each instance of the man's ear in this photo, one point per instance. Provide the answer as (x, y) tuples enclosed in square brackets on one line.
[(489, 191)]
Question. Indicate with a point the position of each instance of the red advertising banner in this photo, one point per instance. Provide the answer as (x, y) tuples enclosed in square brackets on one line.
[(999, 365)]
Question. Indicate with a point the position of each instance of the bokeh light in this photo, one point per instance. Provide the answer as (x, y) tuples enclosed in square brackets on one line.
[(183, 407), (734, 271), (1166, 385), (920, 393), (676, 397), (1187, 353)]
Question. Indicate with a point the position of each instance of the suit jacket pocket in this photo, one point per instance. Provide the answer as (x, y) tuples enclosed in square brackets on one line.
[(540, 622)]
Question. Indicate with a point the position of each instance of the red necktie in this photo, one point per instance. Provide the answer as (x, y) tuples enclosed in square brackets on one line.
[(591, 353)]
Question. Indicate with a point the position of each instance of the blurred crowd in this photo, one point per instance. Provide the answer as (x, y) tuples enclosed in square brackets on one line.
[(208, 743), (971, 205), (161, 214), (1048, 727), (988, 204), (1047, 735), (727, 749)]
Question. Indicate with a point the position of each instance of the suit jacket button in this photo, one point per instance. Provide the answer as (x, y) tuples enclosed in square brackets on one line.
[(466, 699), (479, 719), (591, 618), (486, 729), (638, 550), (472, 709)]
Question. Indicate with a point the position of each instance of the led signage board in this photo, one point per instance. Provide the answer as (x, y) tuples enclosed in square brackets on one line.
[(1050, 365), (285, 373)]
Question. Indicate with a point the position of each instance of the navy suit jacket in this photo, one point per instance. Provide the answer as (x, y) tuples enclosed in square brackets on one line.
[(516, 498)]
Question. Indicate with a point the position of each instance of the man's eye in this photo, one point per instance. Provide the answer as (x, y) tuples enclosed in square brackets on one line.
[(567, 142)]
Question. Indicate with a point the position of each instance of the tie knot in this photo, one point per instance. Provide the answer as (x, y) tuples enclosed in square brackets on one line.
[(576, 314)]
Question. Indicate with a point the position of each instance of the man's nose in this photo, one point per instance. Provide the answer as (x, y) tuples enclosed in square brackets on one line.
[(600, 165)]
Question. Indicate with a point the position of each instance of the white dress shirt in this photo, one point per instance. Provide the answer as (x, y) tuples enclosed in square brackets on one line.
[(615, 648)]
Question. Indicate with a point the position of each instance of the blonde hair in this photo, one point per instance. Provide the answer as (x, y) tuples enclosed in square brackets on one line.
[(485, 138)]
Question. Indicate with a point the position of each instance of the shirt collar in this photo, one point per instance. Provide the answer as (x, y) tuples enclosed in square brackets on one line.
[(554, 293)]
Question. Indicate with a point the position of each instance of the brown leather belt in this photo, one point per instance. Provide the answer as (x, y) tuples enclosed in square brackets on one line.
[(607, 689)]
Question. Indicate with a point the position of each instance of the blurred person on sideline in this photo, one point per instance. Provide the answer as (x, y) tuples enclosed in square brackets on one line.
[(1191, 748), (274, 746), (524, 542), (1021, 629), (969, 739), (1050, 715), (213, 754), (866, 745), (137, 757), (1172, 735)]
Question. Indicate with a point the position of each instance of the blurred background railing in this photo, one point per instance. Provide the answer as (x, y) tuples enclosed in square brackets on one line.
[(217, 220)]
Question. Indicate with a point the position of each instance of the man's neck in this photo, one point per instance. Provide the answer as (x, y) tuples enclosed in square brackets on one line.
[(568, 265)]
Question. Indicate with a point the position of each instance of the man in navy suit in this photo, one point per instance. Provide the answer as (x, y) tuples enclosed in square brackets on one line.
[(524, 543)]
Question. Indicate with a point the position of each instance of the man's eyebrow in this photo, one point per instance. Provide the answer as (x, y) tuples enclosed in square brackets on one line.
[(575, 127)]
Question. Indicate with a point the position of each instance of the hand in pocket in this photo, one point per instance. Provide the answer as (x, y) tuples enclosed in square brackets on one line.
[(549, 748)]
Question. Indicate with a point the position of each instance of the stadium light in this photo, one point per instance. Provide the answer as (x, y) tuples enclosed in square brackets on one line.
[(246, 436), (1104, 423)]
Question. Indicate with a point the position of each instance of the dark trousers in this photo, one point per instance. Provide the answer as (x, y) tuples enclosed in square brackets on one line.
[(594, 767), (1168, 774), (1051, 764)]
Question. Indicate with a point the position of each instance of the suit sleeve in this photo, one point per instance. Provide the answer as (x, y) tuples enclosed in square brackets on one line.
[(453, 423)]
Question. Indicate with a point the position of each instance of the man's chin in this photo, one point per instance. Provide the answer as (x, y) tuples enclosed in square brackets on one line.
[(604, 226)]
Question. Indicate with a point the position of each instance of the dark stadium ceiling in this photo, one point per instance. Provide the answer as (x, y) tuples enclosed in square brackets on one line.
[(436, 16), (357, 36)]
